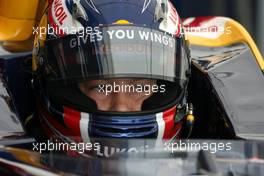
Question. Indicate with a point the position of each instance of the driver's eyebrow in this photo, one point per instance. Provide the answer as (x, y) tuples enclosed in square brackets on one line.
[(145, 80), (140, 79)]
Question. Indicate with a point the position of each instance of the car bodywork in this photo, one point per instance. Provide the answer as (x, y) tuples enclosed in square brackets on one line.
[(230, 67)]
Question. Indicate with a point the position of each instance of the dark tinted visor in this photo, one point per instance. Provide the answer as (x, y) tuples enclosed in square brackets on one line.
[(116, 52)]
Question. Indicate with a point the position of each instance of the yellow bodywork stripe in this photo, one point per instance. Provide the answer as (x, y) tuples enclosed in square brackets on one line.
[(237, 34)]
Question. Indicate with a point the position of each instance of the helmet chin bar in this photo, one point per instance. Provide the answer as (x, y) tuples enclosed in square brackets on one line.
[(61, 137)]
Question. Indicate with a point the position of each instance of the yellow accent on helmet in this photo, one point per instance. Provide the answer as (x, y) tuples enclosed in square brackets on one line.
[(39, 41), (122, 22)]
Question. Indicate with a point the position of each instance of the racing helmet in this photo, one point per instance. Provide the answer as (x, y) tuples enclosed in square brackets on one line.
[(81, 40)]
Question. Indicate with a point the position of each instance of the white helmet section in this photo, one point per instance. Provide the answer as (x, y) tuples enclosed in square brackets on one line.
[(61, 19), (171, 22)]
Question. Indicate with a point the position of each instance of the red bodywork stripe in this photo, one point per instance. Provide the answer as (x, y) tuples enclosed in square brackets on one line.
[(198, 21)]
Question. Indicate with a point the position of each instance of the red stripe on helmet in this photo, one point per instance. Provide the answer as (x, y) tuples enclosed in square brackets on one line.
[(72, 120), (51, 120), (174, 17), (53, 24), (168, 117)]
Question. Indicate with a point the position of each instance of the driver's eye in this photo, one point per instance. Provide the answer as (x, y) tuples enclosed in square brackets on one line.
[(98, 88), (102, 88)]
